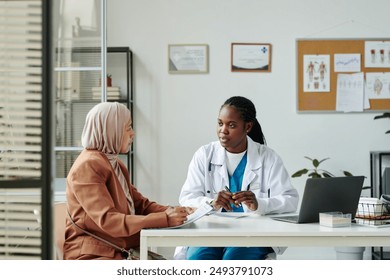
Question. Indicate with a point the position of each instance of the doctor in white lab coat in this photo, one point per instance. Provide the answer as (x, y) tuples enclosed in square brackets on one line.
[(237, 173)]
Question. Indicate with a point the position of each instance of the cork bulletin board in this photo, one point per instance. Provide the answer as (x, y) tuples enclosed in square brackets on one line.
[(313, 97)]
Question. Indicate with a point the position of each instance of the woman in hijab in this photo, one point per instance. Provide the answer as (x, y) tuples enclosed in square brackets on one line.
[(106, 212)]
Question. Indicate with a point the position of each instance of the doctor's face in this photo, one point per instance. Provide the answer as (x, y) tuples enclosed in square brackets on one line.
[(232, 130)]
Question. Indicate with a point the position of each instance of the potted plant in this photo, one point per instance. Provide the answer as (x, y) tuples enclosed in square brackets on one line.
[(316, 172), (384, 115)]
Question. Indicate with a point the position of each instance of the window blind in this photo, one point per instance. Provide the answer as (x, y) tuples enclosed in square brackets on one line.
[(20, 224), (20, 127), (20, 89)]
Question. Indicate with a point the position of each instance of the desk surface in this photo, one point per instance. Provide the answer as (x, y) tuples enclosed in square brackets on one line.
[(258, 230), (256, 225)]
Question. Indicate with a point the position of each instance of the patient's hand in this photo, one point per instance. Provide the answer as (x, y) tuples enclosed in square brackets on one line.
[(176, 215), (190, 210)]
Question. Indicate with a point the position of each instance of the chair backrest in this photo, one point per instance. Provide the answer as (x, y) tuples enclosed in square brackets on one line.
[(59, 228)]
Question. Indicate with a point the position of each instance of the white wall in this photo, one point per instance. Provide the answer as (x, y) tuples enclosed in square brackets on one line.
[(175, 114)]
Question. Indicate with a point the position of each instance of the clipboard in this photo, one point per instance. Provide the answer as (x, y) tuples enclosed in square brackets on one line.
[(201, 211)]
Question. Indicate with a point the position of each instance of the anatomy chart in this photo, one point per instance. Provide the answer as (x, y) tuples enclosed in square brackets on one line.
[(316, 73), (378, 85), (377, 54)]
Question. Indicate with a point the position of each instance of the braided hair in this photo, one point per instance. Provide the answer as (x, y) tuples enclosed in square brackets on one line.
[(247, 111)]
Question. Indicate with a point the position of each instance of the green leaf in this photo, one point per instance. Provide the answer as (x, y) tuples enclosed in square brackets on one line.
[(322, 160), (299, 173), (327, 173), (347, 173), (384, 115), (317, 172), (314, 175)]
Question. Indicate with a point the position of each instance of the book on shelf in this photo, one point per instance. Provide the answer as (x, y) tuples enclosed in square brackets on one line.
[(109, 89), (113, 93), (108, 98)]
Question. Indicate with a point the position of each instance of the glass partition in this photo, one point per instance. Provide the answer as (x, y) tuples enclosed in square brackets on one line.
[(77, 50)]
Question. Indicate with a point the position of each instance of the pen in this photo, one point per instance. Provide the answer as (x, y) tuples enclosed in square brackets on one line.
[(227, 189)]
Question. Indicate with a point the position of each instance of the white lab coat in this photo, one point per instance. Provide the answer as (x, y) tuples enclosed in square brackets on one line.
[(265, 175)]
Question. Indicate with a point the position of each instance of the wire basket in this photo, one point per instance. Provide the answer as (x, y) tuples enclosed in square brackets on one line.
[(372, 211)]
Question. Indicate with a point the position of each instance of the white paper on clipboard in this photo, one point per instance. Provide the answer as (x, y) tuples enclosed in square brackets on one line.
[(201, 211)]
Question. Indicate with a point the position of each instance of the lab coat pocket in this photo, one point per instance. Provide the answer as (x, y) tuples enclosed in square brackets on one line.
[(262, 194), (255, 187), (214, 184), (258, 190)]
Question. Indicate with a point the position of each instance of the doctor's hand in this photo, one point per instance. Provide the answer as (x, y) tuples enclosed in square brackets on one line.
[(246, 197), (223, 199), (176, 215)]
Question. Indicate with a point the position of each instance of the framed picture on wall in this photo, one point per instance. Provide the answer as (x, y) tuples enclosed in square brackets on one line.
[(188, 59), (251, 57)]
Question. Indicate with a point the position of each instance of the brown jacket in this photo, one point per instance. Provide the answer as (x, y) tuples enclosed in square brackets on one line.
[(97, 203)]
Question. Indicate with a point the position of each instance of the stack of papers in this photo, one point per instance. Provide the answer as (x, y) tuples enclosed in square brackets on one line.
[(234, 215), (371, 222)]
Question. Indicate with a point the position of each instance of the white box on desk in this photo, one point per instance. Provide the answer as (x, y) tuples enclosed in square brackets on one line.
[(335, 219)]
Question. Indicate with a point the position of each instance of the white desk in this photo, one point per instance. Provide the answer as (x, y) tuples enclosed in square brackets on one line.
[(261, 231)]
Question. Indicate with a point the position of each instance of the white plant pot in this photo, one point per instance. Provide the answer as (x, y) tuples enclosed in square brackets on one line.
[(349, 253)]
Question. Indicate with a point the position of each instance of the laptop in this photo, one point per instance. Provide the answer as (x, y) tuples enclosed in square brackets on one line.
[(327, 195)]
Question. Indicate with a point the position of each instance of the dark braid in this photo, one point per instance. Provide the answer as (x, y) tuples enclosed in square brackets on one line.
[(247, 111)]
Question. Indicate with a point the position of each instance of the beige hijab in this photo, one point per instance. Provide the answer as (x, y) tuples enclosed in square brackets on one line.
[(103, 131)]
